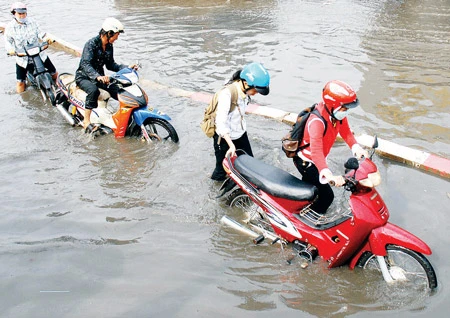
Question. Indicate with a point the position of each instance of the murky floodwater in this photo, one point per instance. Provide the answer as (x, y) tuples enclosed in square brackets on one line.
[(115, 228)]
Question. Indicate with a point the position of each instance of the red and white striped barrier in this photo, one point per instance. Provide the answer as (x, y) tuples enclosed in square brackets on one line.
[(416, 158)]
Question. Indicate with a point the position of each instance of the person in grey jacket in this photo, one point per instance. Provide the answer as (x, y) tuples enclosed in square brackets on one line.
[(90, 75)]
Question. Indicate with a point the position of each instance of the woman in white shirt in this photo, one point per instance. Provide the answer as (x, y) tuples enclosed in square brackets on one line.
[(19, 32), (231, 128)]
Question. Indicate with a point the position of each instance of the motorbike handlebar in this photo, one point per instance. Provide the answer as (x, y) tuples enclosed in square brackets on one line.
[(112, 81), (42, 46), (346, 181), (17, 54)]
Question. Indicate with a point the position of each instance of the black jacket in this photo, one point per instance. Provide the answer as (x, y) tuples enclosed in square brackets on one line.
[(94, 58)]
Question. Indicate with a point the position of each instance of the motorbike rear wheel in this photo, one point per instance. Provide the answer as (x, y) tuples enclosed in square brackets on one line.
[(413, 266), (160, 130), (255, 216), (239, 199)]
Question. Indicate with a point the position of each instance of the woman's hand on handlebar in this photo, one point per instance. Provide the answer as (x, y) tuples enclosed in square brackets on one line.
[(336, 181), (103, 79)]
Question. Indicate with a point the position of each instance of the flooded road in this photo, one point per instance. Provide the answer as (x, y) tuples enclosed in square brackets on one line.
[(115, 228)]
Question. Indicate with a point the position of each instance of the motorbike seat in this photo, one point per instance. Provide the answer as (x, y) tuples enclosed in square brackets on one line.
[(274, 180), (69, 81)]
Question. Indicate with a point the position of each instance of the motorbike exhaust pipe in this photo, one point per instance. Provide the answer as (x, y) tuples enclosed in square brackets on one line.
[(235, 225), (66, 114), (258, 240)]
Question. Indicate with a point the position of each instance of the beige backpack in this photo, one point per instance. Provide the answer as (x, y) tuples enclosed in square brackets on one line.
[(208, 124)]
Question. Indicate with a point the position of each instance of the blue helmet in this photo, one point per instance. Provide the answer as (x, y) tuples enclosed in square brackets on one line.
[(256, 77)]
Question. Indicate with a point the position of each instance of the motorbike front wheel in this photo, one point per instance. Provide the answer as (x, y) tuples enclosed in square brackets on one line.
[(51, 96), (160, 129), (413, 268)]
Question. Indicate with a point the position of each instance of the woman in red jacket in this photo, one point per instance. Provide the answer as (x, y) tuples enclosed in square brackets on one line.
[(337, 99)]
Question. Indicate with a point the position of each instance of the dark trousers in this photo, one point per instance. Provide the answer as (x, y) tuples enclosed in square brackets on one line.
[(310, 174), (93, 93), (220, 149), (21, 73)]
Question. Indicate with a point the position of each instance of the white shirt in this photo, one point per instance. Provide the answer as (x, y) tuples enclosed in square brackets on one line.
[(231, 123), (18, 35)]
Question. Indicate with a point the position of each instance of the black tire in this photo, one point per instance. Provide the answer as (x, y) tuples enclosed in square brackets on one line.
[(160, 130), (51, 96), (256, 217), (416, 267), (239, 199)]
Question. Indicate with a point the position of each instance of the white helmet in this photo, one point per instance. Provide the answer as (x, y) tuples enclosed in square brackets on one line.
[(112, 24), (19, 7)]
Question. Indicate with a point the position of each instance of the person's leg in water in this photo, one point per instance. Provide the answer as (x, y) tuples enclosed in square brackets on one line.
[(20, 87), (220, 149), (93, 93), (21, 76), (310, 174)]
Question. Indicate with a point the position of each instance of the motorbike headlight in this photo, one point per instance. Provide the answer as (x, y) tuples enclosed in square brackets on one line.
[(372, 180), (33, 51)]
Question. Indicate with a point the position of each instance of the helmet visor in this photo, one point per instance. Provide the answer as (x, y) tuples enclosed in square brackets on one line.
[(20, 10), (352, 104), (262, 90)]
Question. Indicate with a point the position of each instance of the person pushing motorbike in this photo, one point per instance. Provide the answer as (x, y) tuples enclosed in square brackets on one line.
[(90, 75), (20, 31), (338, 98)]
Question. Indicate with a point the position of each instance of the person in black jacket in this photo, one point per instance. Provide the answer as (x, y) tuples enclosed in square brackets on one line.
[(90, 75)]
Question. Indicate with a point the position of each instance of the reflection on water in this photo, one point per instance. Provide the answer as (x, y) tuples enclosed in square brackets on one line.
[(394, 53), (408, 79)]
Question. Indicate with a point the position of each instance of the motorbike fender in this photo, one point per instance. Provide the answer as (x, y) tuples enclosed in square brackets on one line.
[(390, 234), (141, 114), (226, 187), (44, 81)]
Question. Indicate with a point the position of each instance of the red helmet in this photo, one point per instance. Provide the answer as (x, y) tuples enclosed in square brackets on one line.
[(19, 7), (337, 93)]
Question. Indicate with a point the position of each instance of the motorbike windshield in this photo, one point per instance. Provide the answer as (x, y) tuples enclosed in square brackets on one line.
[(33, 48), (127, 76)]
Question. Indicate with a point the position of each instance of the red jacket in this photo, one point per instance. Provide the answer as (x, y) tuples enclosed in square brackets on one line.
[(320, 145)]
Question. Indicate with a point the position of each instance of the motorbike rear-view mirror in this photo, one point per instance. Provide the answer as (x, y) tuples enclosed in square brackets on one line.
[(375, 142), (352, 164)]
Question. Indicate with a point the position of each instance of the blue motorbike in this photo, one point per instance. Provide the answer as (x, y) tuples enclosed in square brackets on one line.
[(132, 118)]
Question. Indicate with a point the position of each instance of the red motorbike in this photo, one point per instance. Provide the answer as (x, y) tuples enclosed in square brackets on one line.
[(278, 207)]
